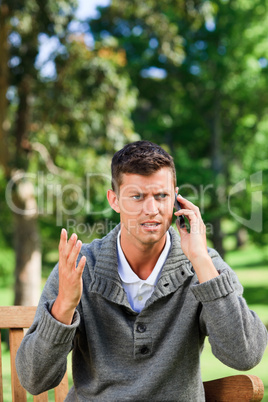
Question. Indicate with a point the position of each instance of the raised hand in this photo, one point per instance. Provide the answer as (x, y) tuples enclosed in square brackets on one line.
[(70, 278), (194, 242)]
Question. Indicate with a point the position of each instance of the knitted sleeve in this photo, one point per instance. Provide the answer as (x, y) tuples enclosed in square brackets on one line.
[(41, 360), (42, 357)]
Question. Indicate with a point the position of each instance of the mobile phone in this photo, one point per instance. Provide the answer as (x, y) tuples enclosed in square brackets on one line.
[(178, 207)]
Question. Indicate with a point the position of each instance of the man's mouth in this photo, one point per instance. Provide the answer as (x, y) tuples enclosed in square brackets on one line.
[(150, 224)]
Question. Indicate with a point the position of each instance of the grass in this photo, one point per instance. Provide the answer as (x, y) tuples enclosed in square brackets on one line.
[(251, 266)]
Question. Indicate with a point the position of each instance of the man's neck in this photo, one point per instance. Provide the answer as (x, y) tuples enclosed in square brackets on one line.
[(142, 258)]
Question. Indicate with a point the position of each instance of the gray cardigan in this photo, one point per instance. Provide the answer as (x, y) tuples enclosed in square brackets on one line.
[(121, 355)]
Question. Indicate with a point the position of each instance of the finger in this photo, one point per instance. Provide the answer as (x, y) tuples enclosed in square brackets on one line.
[(190, 214), (188, 204), (63, 239), (74, 253), (81, 265), (182, 229), (195, 221), (70, 245)]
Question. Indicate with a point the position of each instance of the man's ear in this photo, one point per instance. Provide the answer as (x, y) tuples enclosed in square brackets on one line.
[(113, 200)]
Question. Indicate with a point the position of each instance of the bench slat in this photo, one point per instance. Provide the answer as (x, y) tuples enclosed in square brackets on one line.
[(17, 316), (41, 397), (238, 388), (18, 392), (61, 390)]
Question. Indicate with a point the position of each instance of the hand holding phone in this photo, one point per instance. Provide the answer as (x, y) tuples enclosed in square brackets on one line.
[(178, 207)]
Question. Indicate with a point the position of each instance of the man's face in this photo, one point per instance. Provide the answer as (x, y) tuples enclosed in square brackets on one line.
[(145, 204)]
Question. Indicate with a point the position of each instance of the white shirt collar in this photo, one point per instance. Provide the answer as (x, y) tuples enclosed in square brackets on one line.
[(127, 275)]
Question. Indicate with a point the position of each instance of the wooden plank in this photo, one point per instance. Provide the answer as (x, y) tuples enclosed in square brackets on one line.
[(41, 397), (1, 374), (16, 316), (18, 392), (61, 390), (239, 388)]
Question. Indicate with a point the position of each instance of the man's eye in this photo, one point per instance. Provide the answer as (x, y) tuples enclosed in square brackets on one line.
[(137, 197), (161, 196)]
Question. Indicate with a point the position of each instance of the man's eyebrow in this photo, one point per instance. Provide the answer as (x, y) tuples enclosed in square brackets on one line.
[(134, 192), (157, 191), (162, 190)]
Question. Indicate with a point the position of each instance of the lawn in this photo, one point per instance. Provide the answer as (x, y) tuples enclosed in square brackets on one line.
[(251, 267)]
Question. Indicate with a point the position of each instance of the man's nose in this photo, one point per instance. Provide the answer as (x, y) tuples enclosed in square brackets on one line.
[(150, 206)]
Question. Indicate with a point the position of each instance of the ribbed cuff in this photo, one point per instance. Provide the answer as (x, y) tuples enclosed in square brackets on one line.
[(54, 331), (214, 289)]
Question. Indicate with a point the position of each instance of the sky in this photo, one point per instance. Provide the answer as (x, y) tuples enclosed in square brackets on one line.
[(86, 9)]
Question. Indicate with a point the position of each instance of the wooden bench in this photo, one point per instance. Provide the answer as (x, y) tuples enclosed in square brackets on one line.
[(16, 319), (238, 388)]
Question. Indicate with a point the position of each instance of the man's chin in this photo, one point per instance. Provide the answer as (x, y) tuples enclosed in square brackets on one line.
[(152, 235)]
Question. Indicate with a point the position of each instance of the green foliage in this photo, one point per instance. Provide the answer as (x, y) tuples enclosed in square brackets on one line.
[(6, 266), (189, 75), (208, 104), (91, 105), (63, 130)]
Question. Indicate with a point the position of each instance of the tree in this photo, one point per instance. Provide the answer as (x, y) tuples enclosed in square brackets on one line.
[(201, 70), (21, 23), (47, 124)]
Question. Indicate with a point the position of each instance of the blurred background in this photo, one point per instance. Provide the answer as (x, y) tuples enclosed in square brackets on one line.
[(80, 79)]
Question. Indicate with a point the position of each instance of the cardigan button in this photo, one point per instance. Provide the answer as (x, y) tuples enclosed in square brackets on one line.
[(144, 350), (141, 328)]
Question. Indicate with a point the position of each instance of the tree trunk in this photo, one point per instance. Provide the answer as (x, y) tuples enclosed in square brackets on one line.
[(217, 237), (26, 237), (217, 167), (4, 56), (27, 246)]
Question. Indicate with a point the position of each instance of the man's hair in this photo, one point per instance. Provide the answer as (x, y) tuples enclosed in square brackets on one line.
[(140, 157)]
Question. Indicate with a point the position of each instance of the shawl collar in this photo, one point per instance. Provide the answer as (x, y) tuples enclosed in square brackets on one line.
[(106, 280)]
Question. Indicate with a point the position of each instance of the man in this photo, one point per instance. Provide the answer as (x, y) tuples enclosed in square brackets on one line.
[(136, 306)]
